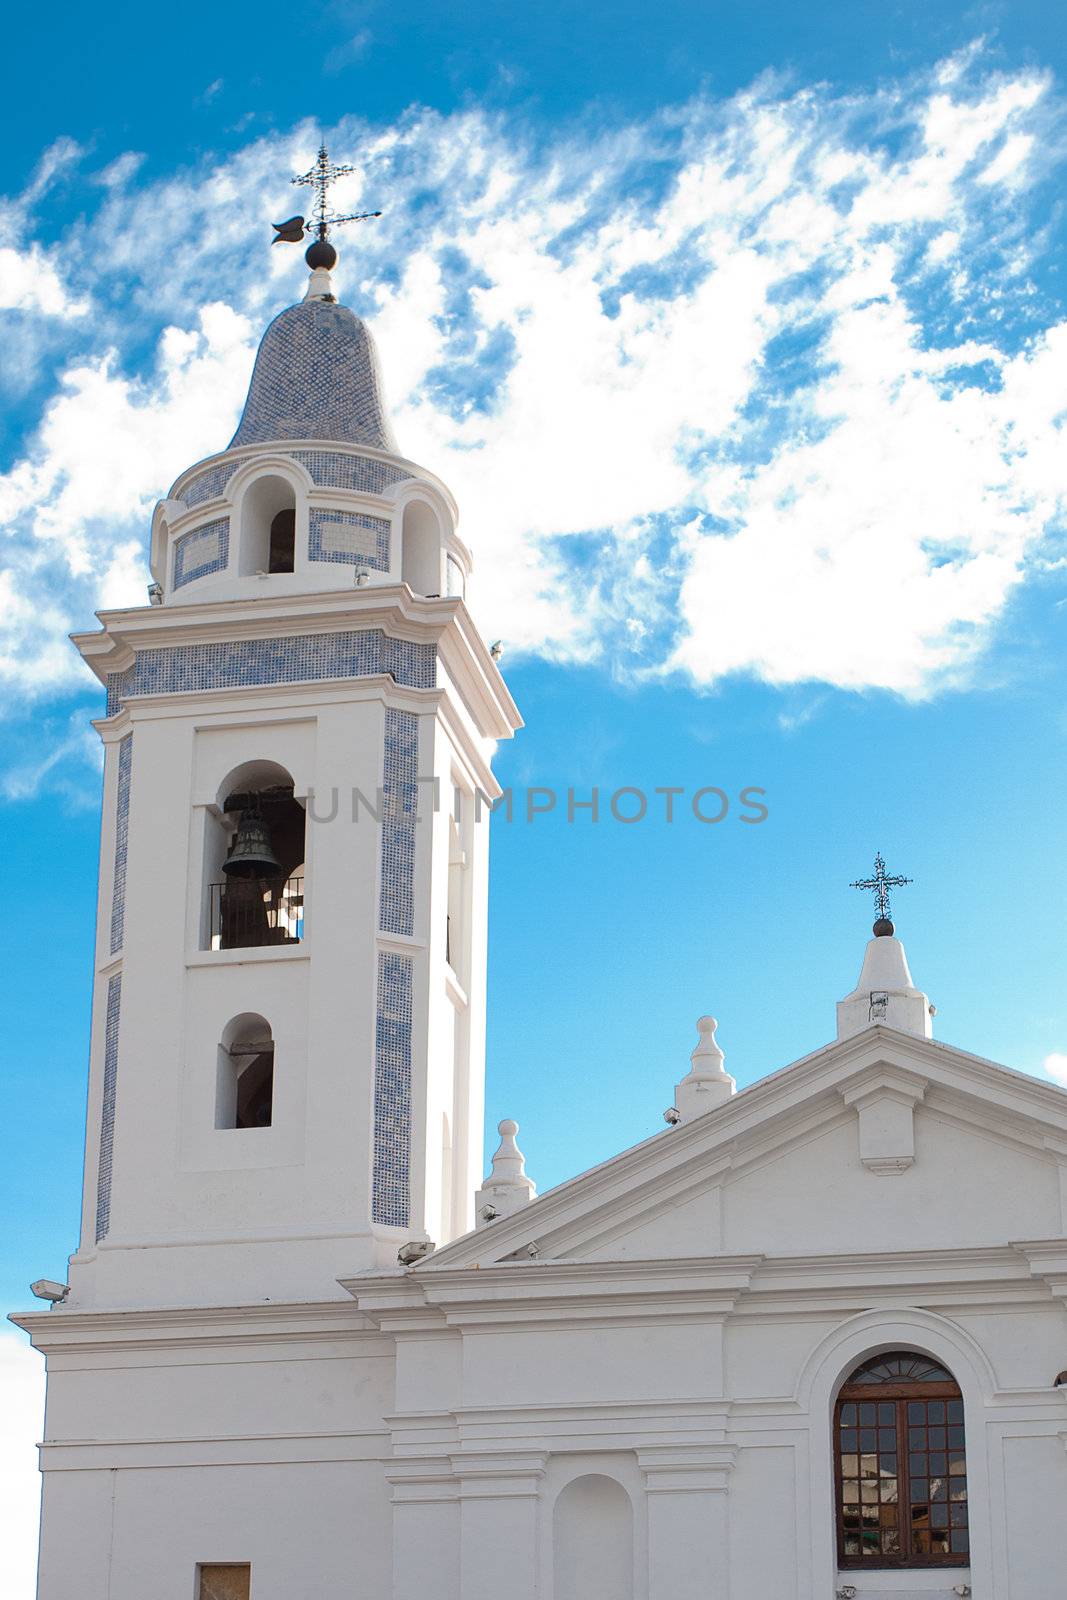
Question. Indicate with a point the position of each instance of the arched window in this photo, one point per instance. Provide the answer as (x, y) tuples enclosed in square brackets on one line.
[(268, 527), (901, 1465), (420, 549), (254, 861), (245, 1095)]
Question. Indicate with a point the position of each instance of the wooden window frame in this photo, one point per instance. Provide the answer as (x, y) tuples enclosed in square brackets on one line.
[(898, 1394)]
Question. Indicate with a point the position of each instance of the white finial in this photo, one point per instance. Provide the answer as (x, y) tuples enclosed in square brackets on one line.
[(507, 1188), (885, 992), (320, 285), (707, 1084)]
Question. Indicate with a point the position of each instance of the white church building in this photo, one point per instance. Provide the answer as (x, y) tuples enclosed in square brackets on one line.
[(809, 1340)]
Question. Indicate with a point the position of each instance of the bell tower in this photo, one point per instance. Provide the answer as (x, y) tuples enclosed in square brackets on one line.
[(287, 1059)]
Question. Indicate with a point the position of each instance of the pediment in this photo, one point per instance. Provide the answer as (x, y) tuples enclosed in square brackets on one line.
[(882, 1141)]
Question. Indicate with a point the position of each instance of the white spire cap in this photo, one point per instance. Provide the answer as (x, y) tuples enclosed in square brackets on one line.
[(707, 1084), (885, 992), (320, 285), (507, 1188)]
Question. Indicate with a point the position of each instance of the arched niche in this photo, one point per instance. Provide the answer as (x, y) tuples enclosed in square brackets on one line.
[(593, 1540), (420, 548), (267, 541), (267, 909), (244, 1096)]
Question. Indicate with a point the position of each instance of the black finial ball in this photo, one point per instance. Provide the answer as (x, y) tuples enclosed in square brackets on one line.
[(883, 928), (321, 254)]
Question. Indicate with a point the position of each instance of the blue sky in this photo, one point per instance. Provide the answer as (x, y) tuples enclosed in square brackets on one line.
[(740, 331)]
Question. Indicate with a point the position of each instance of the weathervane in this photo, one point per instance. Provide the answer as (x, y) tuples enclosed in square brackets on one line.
[(881, 884), (319, 178)]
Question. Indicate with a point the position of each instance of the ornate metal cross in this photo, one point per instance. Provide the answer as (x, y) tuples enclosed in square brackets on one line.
[(318, 178), (881, 884)]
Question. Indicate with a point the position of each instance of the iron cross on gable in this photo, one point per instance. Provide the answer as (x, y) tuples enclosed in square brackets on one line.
[(880, 884)]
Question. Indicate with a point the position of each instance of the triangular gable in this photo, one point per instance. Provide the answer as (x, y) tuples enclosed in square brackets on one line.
[(860, 1093)]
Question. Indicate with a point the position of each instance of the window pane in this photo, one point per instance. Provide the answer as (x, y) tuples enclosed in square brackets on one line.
[(869, 1443), (225, 1582)]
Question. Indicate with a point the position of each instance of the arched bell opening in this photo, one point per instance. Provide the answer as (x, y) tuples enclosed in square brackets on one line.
[(254, 860), (420, 551), (268, 527), (245, 1093)]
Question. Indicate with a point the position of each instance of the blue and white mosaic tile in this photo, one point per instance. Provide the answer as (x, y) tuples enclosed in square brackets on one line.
[(329, 469), (107, 1115), (201, 552), (209, 484), (396, 896), (248, 663), (349, 536), (392, 1091), (316, 377), (122, 831)]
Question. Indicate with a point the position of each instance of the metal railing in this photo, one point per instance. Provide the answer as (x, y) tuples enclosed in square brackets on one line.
[(244, 913)]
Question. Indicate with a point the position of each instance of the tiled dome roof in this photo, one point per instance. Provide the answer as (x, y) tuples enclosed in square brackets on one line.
[(316, 377)]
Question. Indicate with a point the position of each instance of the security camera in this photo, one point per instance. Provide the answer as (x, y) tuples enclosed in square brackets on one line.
[(533, 1249), (672, 1116), (487, 1213), (48, 1289), (414, 1250), (362, 578), (155, 594), (496, 649)]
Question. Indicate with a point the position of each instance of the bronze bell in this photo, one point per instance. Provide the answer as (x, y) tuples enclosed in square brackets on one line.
[(250, 854)]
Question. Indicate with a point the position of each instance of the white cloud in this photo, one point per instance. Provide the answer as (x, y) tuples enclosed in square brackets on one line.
[(21, 1411), (1056, 1067), (715, 392), (29, 282)]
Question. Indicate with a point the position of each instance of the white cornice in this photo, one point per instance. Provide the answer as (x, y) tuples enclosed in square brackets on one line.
[(173, 1328), (393, 608)]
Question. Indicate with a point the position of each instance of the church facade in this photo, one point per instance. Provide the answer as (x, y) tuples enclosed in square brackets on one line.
[(808, 1341)]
